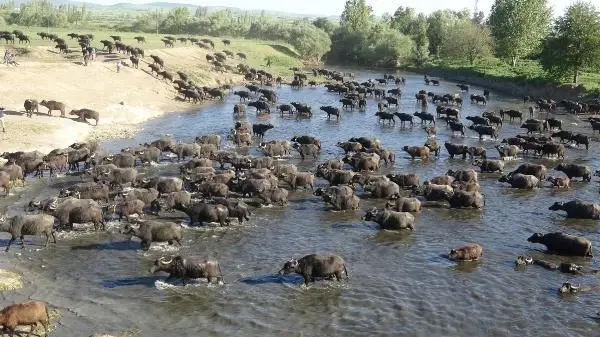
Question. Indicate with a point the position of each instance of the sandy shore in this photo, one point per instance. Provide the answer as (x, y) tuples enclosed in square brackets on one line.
[(124, 99)]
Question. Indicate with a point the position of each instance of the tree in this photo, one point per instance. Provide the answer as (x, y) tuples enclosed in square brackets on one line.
[(518, 27), (468, 41), (324, 24), (389, 48), (419, 36), (478, 18), (438, 24), (310, 42), (574, 43), (357, 16), (177, 20), (404, 20)]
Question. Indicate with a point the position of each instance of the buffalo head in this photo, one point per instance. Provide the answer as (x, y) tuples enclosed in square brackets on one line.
[(567, 287), (370, 215), (556, 206), (523, 260), (289, 267), (535, 238), (162, 264)]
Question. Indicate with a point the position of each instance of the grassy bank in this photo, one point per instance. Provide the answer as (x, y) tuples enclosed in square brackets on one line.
[(496, 73), (282, 55)]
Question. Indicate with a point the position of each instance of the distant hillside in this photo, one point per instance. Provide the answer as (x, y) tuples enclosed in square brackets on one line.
[(125, 6)]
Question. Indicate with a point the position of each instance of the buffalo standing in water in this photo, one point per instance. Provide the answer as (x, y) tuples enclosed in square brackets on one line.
[(189, 268), (316, 265)]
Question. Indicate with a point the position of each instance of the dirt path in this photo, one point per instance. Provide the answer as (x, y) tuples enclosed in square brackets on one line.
[(123, 99)]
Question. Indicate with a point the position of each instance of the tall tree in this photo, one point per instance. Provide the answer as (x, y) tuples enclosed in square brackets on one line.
[(404, 20), (574, 44), (419, 36), (466, 40), (519, 26), (357, 16), (438, 24), (324, 24)]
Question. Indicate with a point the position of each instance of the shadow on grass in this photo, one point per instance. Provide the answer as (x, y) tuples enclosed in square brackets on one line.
[(283, 49)]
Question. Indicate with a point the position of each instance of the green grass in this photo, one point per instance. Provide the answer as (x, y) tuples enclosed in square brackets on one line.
[(281, 54), (526, 71)]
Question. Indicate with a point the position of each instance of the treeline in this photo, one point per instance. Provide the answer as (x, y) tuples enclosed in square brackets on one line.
[(515, 30), (309, 41), (43, 13)]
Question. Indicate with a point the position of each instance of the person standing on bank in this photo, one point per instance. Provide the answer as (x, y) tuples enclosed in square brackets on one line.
[(2, 118)]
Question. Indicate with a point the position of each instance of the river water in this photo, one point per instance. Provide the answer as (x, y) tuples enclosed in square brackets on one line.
[(399, 284)]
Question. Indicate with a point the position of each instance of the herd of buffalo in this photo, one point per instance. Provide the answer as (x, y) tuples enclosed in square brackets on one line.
[(216, 185)]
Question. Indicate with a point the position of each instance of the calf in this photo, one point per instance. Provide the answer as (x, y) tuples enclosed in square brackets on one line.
[(469, 252), (29, 313)]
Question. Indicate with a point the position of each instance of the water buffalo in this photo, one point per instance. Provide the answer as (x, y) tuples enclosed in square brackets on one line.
[(29, 313), (307, 140), (417, 151), (274, 195), (509, 151), (578, 209), (122, 160), (201, 212), (469, 252), (464, 199), (537, 170), (22, 225), (79, 211), (54, 105), (237, 209), (518, 180), (154, 231), (299, 179), (404, 204), (489, 165), (94, 191), (340, 197), (576, 171), (84, 114), (563, 244), (190, 267), (485, 130), (30, 105), (456, 149), (306, 150), (391, 220), (383, 189), (316, 266), (405, 180)]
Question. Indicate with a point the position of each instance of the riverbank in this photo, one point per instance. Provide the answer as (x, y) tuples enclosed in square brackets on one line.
[(124, 99), (511, 86)]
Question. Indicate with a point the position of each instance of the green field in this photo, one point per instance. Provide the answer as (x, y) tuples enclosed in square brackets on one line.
[(526, 71), (281, 54)]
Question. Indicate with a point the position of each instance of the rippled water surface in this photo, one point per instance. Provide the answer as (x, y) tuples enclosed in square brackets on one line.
[(399, 284)]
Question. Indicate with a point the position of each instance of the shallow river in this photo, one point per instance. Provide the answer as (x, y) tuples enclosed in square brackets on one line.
[(399, 284)]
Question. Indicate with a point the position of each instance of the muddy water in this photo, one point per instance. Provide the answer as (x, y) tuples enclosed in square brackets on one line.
[(398, 282)]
